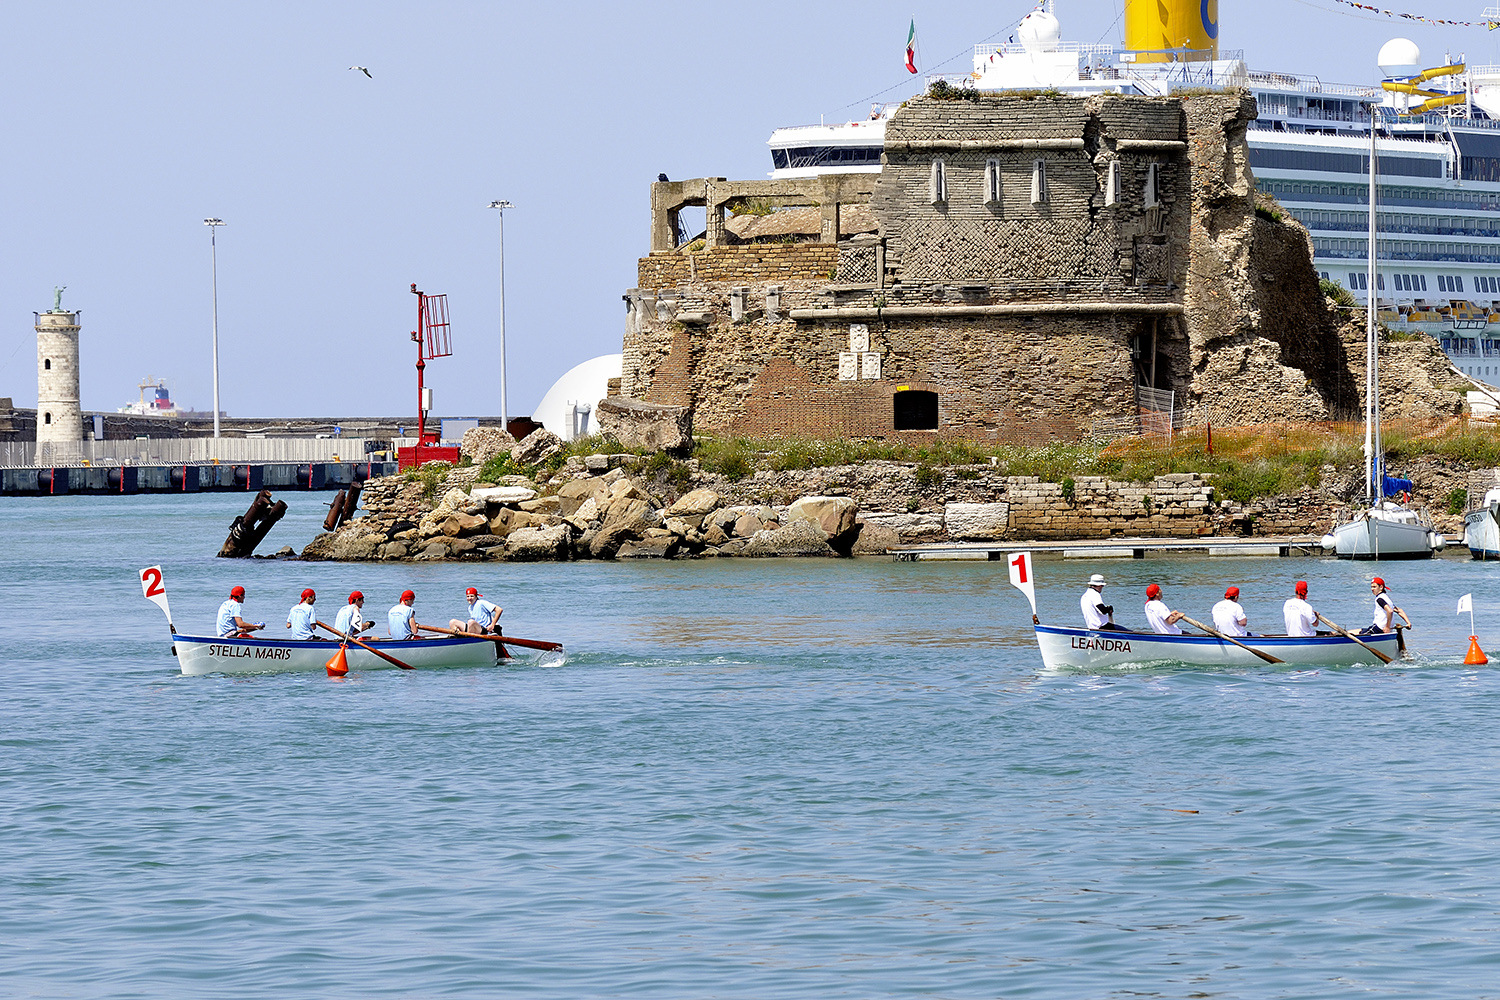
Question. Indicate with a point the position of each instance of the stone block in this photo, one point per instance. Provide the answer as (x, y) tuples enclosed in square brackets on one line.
[(537, 544), (456, 525), (976, 521), (536, 447), (481, 444), (653, 426), (502, 494), (875, 539)]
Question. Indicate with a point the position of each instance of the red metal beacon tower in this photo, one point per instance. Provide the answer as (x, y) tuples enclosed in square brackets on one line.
[(433, 341)]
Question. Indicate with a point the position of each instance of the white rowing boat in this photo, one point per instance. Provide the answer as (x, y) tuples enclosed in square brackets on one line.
[(206, 654), (1091, 649), (1075, 648)]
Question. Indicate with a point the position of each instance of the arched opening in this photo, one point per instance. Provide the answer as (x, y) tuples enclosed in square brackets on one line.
[(915, 410), (47, 364), (47, 418)]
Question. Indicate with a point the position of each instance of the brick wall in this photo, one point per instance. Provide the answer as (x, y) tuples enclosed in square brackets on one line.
[(768, 263)]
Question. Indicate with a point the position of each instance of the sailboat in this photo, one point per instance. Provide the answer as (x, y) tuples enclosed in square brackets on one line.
[(1387, 528)]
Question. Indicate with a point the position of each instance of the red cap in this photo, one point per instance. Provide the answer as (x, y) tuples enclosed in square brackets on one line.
[(308, 593), (1301, 588), (355, 595), (471, 592), (1232, 593), (407, 595), (1381, 582), (237, 592), (1153, 591)]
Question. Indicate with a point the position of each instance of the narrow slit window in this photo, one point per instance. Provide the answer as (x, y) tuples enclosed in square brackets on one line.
[(939, 184), (1112, 183), (47, 364), (992, 182), (48, 419), (1153, 193), (1038, 181)]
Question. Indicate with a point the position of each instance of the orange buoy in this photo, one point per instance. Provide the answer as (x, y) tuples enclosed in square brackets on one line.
[(1475, 655), (339, 665)]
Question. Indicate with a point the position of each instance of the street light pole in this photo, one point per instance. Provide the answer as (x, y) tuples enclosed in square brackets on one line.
[(213, 245), (504, 411)]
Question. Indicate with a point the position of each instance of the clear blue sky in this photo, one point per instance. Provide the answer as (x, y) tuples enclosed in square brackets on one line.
[(127, 124)]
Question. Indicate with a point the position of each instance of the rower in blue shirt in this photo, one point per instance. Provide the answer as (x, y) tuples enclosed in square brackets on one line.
[(402, 617), (303, 619), (484, 616), (230, 622)]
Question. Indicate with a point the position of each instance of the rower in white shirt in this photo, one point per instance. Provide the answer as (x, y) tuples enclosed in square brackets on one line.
[(351, 617), (1385, 610), (1097, 614), (303, 618), (1162, 619), (1301, 619), (484, 616), (1229, 617)]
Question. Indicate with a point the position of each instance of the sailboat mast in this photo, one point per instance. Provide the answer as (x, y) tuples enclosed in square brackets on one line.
[(1371, 379)]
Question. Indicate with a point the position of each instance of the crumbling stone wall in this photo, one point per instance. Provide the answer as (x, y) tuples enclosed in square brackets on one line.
[(1034, 307)]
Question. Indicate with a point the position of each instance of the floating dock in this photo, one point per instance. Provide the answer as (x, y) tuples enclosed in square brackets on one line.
[(1125, 548), (101, 480)]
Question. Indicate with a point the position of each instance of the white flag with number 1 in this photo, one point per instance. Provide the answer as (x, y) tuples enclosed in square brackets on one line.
[(1020, 577)]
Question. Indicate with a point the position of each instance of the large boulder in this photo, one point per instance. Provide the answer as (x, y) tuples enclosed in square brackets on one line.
[(536, 447), (576, 492), (697, 503), (459, 523), (653, 426), (795, 538), (835, 515), (481, 444), (654, 543), (875, 540), (976, 521), (627, 519), (534, 544)]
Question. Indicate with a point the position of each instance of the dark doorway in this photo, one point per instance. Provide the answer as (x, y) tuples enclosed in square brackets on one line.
[(916, 410)]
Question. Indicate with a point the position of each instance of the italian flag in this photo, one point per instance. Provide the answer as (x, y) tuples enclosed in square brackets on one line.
[(911, 47)]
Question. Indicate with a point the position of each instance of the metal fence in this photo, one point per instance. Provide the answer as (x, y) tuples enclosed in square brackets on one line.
[(1156, 416), (185, 451)]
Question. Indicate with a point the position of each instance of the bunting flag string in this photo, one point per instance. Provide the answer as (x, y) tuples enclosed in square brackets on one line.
[(1491, 25)]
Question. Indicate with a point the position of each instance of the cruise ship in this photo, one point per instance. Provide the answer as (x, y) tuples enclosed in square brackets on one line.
[(1437, 151)]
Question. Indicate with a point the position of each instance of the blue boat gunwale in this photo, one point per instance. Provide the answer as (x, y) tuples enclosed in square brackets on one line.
[(447, 640), (1254, 640)]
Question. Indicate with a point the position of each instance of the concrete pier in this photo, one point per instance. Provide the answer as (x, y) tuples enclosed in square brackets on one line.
[(1129, 548)]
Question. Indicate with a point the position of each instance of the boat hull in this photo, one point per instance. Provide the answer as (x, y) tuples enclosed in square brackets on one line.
[(1075, 648), (1482, 534), (1375, 538), (202, 654)]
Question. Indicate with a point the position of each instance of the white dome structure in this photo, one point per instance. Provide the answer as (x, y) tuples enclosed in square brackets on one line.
[(1399, 57), (1039, 31), (569, 407)]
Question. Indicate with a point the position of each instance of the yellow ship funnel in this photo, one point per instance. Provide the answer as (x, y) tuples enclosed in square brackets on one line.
[(1169, 30)]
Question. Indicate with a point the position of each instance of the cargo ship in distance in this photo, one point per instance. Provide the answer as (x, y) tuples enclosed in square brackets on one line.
[(1438, 221)]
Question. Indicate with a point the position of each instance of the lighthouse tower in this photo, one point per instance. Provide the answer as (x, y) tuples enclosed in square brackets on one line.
[(59, 418)]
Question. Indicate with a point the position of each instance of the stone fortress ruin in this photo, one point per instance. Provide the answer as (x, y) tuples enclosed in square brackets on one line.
[(1039, 267)]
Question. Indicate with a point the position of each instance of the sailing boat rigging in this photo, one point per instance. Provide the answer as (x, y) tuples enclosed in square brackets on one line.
[(1387, 528)]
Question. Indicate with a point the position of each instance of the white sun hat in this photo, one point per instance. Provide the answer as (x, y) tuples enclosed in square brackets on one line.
[(1096, 580)]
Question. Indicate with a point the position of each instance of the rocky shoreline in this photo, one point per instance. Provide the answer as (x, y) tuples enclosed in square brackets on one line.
[(612, 506)]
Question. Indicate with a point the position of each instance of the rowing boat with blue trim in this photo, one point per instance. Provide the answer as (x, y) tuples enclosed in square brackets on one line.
[(1064, 648), (206, 654)]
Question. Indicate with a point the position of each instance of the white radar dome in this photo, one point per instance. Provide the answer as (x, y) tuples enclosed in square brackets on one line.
[(1400, 57), (1039, 31)]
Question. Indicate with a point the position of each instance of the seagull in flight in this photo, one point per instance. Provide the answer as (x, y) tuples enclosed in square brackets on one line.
[(363, 70)]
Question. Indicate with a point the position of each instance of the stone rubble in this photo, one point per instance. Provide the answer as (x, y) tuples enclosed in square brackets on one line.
[(593, 508)]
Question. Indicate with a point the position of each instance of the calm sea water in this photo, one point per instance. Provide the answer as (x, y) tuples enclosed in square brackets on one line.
[(750, 779)]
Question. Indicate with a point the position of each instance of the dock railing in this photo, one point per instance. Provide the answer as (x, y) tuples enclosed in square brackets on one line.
[(187, 451)]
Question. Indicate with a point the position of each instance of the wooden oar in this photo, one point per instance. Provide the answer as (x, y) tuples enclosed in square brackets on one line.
[(1352, 637), (504, 640), (1229, 638), (364, 645)]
